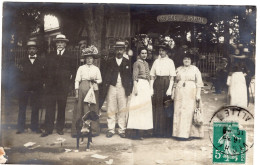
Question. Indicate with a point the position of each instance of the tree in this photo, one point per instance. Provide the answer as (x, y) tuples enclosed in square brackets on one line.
[(94, 19)]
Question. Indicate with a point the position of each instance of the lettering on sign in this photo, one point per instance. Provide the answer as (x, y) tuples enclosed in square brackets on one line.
[(181, 18)]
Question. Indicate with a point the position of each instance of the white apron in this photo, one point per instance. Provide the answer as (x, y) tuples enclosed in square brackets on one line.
[(237, 89), (140, 109)]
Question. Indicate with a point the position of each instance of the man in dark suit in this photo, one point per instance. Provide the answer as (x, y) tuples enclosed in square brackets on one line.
[(221, 76), (60, 73), (118, 81), (31, 85)]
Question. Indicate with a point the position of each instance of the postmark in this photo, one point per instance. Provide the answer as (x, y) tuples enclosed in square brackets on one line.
[(231, 133)]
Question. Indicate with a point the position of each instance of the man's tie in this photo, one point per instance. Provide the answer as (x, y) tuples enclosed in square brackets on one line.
[(59, 54)]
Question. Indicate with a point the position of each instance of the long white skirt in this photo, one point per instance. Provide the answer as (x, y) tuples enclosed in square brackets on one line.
[(237, 89), (140, 108)]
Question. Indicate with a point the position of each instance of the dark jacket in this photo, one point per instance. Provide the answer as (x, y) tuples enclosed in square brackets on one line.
[(112, 71), (31, 75), (60, 72)]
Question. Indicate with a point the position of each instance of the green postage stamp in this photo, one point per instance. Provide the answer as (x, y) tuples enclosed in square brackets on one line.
[(229, 143), (231, 133)]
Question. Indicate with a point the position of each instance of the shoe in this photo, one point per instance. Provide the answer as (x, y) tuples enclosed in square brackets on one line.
[(45, 133), (60, 132), (109, 134), (19, 132), (122, 135)]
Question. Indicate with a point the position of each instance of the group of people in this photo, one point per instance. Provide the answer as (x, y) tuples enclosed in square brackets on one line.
[(52, 76), (136, 95), (235, 77)]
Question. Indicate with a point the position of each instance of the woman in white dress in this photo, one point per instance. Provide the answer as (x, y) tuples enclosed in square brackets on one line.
[(140, 109), (88, 75), (186, 92)]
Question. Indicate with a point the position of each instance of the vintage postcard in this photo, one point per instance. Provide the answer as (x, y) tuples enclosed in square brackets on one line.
[(127, 84)]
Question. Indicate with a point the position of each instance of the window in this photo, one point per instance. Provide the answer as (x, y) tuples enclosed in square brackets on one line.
[(51, 22)]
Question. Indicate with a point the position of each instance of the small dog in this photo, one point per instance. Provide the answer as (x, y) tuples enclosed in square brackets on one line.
[(83, 127)]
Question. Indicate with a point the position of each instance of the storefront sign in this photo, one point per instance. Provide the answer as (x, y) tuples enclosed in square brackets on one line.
[(181, 18)]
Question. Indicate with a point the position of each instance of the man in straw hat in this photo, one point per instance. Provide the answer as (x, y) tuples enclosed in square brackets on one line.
[(60, 73), (119, 83), (32, 67)]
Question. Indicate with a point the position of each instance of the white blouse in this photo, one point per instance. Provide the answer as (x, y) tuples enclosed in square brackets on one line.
[(88, 72), (190, 73), (163, 67)]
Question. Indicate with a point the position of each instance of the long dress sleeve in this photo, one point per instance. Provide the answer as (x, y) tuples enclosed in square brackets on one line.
[(172, 69), (135, 71), (152, 72), (78, 78), (199, 82), (99, 78)]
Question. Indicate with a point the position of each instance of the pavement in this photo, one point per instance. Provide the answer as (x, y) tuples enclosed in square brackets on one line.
[(115, 150)]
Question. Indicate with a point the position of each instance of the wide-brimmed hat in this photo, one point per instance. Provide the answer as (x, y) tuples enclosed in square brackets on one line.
[(31, 43), (90, 51), (60, 37), (82, 42), (243, 53), (163, 46), (192, 56), (120, 44)]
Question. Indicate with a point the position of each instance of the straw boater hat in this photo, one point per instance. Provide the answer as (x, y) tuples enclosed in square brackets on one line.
[(90, 51), (120, 44), (246, 50), (61, 37), (31, 44)]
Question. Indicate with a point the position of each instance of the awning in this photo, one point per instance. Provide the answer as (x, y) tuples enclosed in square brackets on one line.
[(118, 27)]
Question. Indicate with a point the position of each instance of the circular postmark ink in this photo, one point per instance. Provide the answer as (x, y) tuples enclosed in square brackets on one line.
[(231, 131)]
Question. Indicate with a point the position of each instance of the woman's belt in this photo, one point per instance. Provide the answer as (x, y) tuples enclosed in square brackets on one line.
[(162, 77), (184, 82), (86, 80), (144, 78)]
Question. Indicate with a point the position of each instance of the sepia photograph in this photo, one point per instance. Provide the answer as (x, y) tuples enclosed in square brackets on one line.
[(127, 84)]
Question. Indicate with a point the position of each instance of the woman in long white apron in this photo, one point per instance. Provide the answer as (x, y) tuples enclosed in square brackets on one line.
[(237, 87), (140, 108)]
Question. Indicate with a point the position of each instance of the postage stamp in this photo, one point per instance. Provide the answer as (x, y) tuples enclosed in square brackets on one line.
[(231, 133), (229, 142)]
